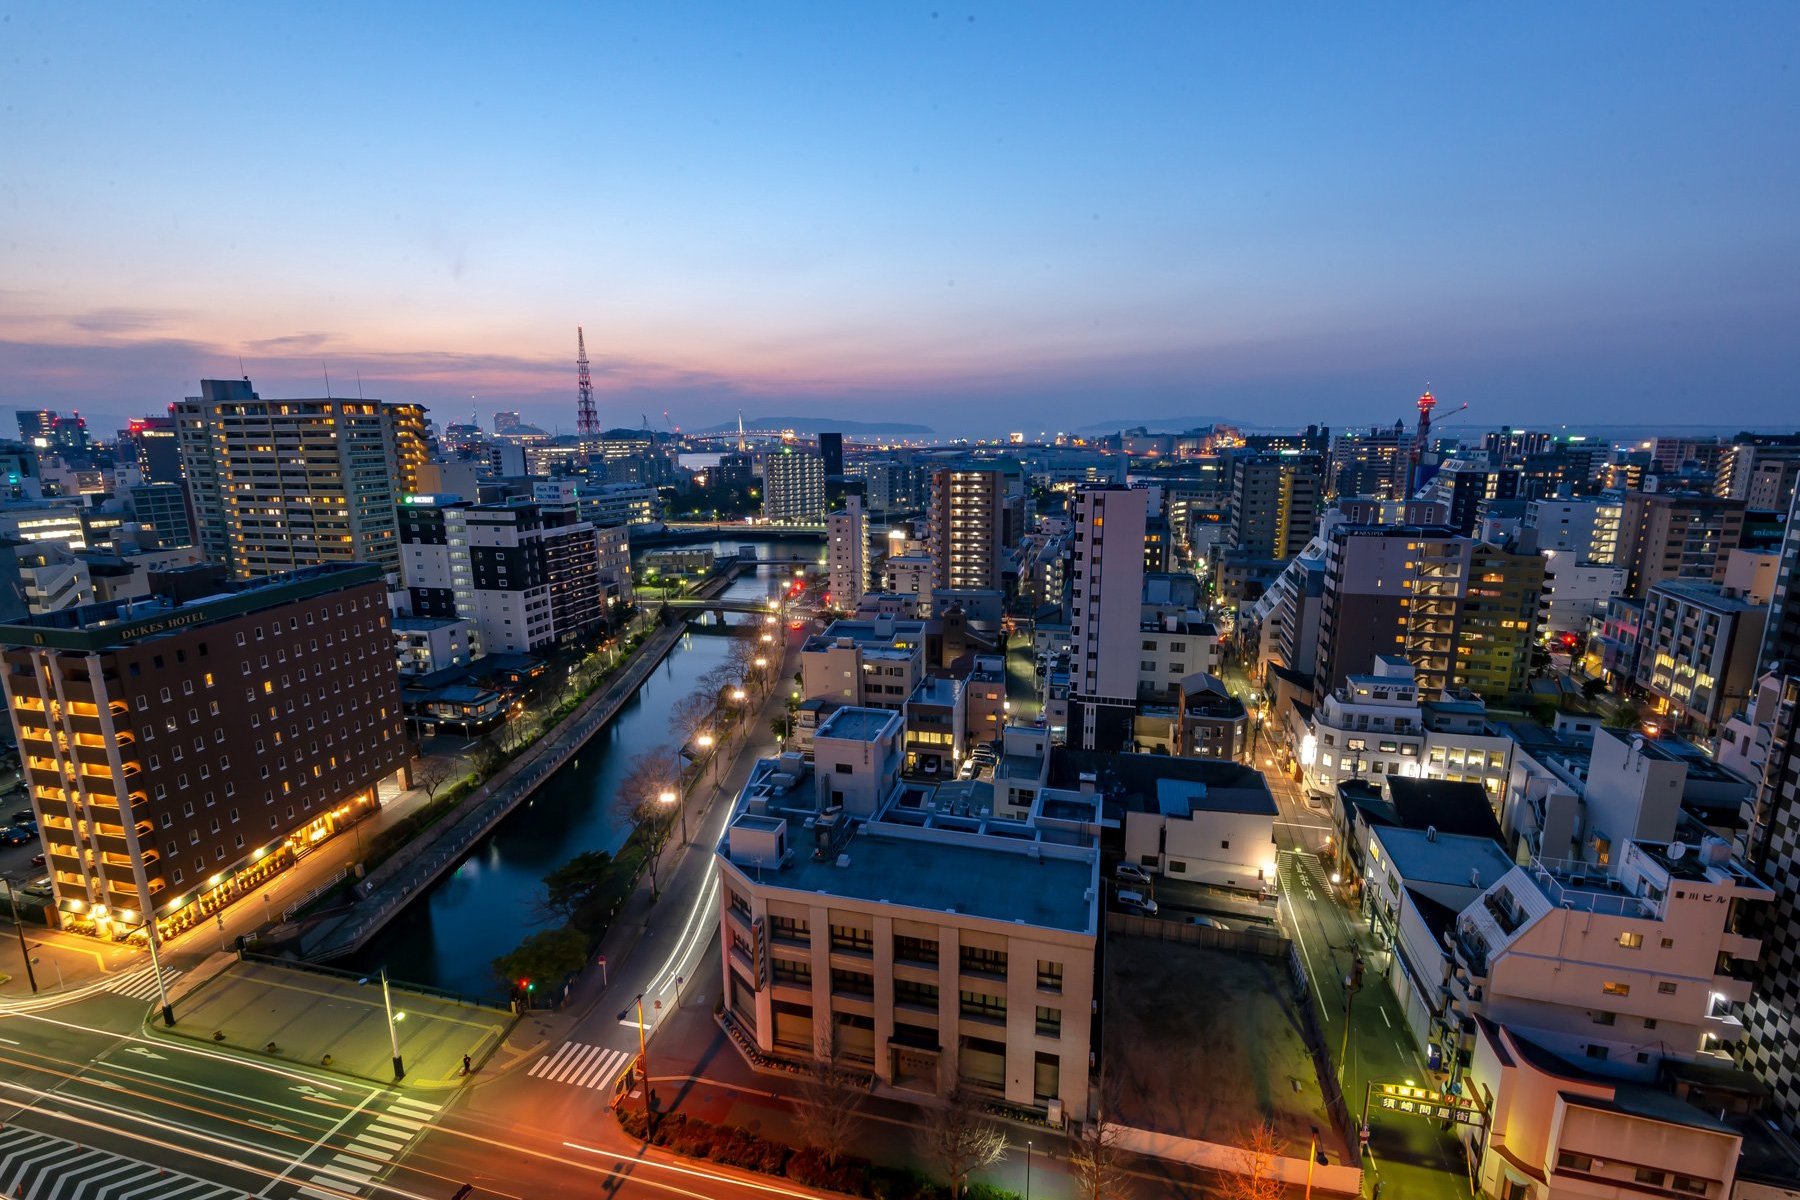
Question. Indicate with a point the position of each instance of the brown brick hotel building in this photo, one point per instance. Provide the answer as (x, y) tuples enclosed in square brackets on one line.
[(184, 748)]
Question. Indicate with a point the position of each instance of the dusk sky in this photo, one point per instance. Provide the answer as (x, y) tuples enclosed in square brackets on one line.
[(977, 217)]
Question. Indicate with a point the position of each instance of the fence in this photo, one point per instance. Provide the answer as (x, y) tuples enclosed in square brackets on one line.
[(1248, 940), (287, 914)]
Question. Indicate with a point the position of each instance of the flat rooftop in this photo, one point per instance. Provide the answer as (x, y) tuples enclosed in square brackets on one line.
[(116, 622), (1421, 856), (998, 883), (856, 724), (1183, 798), (934, 689)]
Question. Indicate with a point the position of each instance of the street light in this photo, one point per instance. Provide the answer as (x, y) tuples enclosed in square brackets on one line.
[(705, 742), (387, 1004), (668, 796)]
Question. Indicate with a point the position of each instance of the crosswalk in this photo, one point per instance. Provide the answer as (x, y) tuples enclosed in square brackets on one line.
[(366, 1155), (581, 1064), (141, 984), (36, 1166)]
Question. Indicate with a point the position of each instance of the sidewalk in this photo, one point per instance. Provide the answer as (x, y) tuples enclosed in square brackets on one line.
[(331, 1019)]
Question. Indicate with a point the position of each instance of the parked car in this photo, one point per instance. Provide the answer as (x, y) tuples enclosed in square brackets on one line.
[(25, 816), (1209, 923), (1136, 903), (12, 835), (39, 887), (37, 860), (1132, 875)]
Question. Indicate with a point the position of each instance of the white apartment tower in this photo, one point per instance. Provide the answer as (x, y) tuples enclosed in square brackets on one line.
[(1104, 621), (847, 538), (793, 486)]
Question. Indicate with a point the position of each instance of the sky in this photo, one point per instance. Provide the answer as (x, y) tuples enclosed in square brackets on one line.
[(977, 217)]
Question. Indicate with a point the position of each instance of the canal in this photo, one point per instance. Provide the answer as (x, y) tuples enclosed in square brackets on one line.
[(485, 907)]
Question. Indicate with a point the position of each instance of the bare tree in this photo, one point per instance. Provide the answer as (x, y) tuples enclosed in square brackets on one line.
[(1095, 1160), (689, 717), (433, 773), (831, 1100), (961, 1140), (640, 803), (1258, 1174)]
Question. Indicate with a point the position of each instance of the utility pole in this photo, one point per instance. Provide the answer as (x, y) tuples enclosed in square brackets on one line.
[(162, 990), (24, 953)]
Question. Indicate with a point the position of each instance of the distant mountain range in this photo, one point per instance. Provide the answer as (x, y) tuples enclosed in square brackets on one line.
[(818, 425)]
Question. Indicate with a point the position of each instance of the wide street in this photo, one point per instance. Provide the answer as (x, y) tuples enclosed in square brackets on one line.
[(94, 1097)]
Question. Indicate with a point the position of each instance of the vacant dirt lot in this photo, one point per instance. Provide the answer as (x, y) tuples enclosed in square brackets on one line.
[(1205, 1043)]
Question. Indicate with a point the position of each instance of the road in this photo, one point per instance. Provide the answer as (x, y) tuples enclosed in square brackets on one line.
[(95, 1103), (1411, 1157)]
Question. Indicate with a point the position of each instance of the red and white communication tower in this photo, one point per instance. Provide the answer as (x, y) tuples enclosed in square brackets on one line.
[(587, 420)]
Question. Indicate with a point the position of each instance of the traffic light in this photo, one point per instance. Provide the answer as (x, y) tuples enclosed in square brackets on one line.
[(525, 985)]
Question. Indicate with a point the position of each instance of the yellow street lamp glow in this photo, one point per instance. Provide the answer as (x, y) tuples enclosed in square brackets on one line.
[(665, 797), (737, 694), (761, 663), (705, 739)]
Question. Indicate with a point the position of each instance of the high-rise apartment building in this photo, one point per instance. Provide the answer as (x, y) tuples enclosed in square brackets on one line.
[(1759, 469), (163, 507), (975, 517), (831, 453), (182, 748), (1507, 446), (1462, 611), (1463, 485), (1105, 615), (278, 485), (1276, 500), (156, 447), (1498, 621), (1391, 590), (847, 548), (1371, 464), (525, 575), (1676, 535), (1587, 529), (793, 486)]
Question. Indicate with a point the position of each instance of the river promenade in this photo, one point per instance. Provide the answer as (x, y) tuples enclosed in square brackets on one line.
[(394, 884)]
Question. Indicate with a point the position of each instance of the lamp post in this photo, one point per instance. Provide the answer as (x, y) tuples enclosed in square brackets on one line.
[(669, 796), (705, 742), (643, 1053), (1027, 1170), (387, 1004)]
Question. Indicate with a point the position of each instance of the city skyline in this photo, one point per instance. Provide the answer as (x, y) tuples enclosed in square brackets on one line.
[(917, 214)]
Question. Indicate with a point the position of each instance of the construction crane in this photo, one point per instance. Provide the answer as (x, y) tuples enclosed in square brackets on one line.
[(1422, 439)]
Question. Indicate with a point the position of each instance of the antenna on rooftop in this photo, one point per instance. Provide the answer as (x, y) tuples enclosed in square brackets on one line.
[(327, 371)]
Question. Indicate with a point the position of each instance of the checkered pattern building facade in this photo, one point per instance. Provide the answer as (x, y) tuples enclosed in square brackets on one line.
[(1772, 1017)]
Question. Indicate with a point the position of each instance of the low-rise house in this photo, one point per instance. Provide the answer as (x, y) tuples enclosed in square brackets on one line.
[(1220, 832)]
